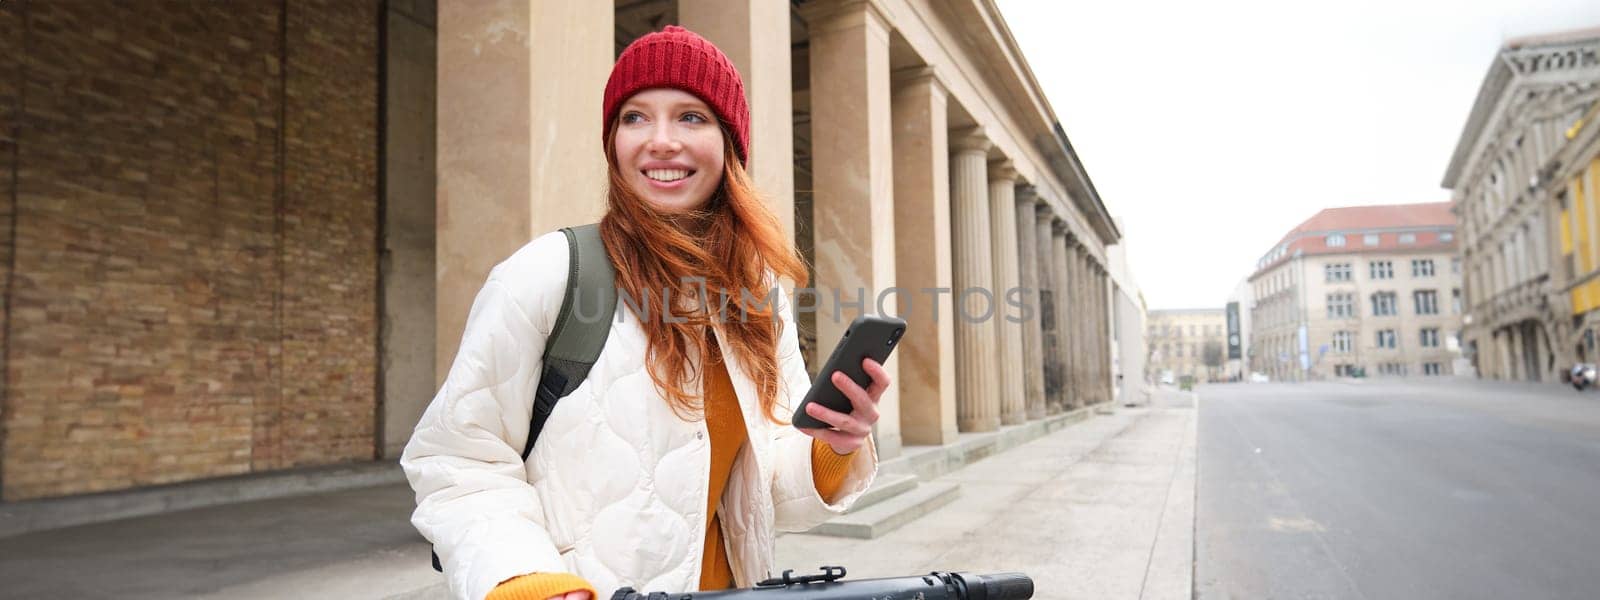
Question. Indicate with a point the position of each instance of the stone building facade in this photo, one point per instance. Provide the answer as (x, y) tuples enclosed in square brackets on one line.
[(1361, 291), (1177, 340), (244, 237), (1523, 180)]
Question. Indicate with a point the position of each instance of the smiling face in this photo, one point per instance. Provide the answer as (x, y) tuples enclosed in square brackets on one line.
[(669, 148)]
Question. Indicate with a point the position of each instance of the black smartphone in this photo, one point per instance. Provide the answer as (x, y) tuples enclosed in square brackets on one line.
[(869, 336)]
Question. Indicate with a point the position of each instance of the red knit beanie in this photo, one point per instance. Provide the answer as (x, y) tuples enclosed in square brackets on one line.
[(678, 58)]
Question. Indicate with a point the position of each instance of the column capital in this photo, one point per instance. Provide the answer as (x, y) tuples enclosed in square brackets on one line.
[(1043, 213), (1002, 170), (969, 139), (833, 15), (1027, 194), (1058, 228), (919, 75)]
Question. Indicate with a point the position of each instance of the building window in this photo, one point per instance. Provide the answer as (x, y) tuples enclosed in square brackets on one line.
[(1455, 301), (1384, 304), (1336, 271), (1422, 267), (1455, 266), (1387, 339), (1341, 306), (1380, 269), (1370, 239), (1446, 236), (1391, 368), (1408, 238), (1177, 350), (1432, 368), (1430, 337), (1334, 241), (1427, 301), (1344, 370), (1343, 342)]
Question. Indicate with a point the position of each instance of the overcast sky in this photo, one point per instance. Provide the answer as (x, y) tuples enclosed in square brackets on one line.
[(1212, 128)]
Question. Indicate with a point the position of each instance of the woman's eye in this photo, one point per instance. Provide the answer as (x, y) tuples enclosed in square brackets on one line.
[(632, 117), (696, 118)]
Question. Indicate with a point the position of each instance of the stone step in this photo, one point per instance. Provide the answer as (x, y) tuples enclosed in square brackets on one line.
[(891, 513), (884, 487)]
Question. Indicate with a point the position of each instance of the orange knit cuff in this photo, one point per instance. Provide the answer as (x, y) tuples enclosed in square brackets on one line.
[(540, 586), (828, 468)]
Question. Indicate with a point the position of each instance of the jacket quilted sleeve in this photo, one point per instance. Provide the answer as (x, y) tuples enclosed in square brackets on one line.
[(464, 460), (796, 503)]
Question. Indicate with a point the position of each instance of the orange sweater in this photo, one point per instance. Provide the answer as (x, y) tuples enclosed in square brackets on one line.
[(725, 422)]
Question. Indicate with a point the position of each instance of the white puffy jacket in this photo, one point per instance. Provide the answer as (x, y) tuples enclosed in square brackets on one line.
[(615, 490)]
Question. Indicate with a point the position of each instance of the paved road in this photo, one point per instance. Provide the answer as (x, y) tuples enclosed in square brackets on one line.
[(1405, 489)]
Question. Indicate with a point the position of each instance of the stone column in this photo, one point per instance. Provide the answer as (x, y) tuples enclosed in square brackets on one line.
[(1101, 336), (1103, 314), (977, 381), (922, 258), (853, 183), (1078, 389), (1067, 337), (755, 36), (1050, 317), (499, 134), (1087, 323), (1092, 322), (1032, 332), (1008, 333), (1074, 346)]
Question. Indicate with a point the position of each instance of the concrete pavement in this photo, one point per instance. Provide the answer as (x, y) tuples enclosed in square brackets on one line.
[(1103, 508)]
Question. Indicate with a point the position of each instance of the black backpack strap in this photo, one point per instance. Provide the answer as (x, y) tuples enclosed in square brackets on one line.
[(580, 331), (581, 328)]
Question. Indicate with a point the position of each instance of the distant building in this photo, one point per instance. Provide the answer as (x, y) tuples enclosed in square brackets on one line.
[(1178, 342), (1524, 178), (1359, 291)]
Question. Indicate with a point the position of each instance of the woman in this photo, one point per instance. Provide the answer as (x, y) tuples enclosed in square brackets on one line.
[(672, 465)]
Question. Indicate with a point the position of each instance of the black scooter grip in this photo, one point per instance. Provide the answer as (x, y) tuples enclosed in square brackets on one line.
[(998, 586)]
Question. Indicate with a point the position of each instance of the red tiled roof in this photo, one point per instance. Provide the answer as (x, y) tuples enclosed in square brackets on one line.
[(1386, 221), (1352, 219)]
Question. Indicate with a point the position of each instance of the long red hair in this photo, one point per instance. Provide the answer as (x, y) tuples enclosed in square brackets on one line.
[(730, 243)]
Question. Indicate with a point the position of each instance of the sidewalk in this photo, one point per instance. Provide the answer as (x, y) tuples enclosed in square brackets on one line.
[(1100, 509)]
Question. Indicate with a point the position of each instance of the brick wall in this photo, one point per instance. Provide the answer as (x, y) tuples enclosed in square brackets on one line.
[(194, 284)]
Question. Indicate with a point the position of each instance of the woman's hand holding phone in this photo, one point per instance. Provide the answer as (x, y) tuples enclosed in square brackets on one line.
[(850, 431)]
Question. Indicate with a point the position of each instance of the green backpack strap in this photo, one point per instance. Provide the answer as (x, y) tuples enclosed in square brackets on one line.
[(581, 329), (579, 334)]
